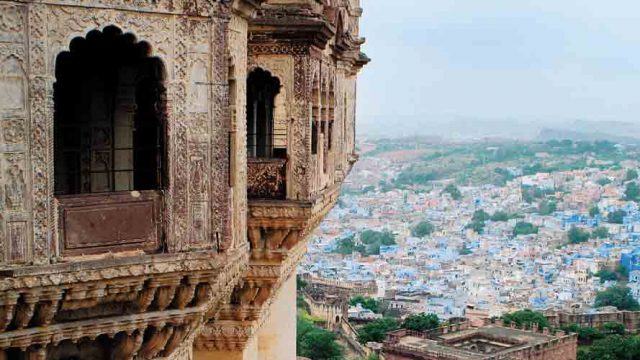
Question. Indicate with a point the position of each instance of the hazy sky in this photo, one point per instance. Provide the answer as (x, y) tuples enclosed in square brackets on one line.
[(542, 60)]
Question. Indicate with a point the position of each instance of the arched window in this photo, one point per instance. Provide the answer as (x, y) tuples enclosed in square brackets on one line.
[(109, 121), (109, 107), (315, 114), (262, 89)]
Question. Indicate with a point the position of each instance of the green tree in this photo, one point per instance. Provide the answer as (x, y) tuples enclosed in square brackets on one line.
[(631, 175), (320, 344), (480, 216), (303, 328), (547, 207), (421, 322), (600, 233), (524, 228), (595, 210), (384, 237), (477, 226), (526, 317), (632, 192), (618, 296), (422, 229), (616, 217), (613, 347), (586, 334), (500, 216), (622, 272), (300, 283), (577, 235), (453, 190), (366, 302), (377, 330), (613, 328), (345, 246), (606, 275)]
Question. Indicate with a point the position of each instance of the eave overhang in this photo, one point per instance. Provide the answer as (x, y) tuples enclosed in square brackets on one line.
[(298, 25)]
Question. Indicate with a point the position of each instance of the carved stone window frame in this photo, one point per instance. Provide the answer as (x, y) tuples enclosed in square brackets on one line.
[(178, 41)]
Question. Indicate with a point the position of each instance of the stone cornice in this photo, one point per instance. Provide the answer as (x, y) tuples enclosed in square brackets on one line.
[(201, 8), (291, 25), (96, 270), (170, 297)]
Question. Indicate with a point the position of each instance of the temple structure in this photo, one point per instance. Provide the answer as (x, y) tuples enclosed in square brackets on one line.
[(162, 163)]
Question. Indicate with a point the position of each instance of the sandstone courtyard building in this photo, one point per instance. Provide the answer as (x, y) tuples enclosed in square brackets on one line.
[(162, 163)]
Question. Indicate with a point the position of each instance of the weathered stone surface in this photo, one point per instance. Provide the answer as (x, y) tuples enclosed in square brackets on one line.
[(205, 264)]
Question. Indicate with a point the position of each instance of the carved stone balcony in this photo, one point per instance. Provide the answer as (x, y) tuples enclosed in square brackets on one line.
[(277, 230), (147, 305), (266, 178)]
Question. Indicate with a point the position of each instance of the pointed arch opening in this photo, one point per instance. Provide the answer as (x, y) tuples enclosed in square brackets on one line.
[(262, 89), (266, 163), (109, 109), (109, 144)]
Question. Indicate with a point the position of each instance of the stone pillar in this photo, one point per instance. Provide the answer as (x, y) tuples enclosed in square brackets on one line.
[(250, 352), (277, 337)]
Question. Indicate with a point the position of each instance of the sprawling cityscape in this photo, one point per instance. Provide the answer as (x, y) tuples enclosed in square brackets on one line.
[(481, 230)]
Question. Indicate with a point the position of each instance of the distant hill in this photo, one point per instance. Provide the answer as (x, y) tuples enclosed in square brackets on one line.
[(558, 134)]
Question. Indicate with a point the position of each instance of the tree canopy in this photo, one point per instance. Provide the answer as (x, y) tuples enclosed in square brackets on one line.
[(632, 191), (422, 229), (577, 235), (377, 330), (632, 174), (421, 322), (500, 216), (366, 302), (524, 228), (547, 207), (316, 343), (452, 190), (618, 296), (613, 347), (384, 237), (616, 217), (600, 233), (526, 317), (372, 240)]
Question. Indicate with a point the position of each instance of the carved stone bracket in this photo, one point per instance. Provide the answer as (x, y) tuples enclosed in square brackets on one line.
[(164, 306)]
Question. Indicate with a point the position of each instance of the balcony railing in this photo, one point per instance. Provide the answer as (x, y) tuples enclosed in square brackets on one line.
[(266, 178)]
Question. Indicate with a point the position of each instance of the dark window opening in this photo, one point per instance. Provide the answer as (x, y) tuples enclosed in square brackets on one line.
[(325, 152), (262, 89), (109, 113), (315, 115), (330, 135), (314, 137)]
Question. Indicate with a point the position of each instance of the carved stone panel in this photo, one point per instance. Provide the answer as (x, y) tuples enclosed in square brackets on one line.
[(12, 85), (16, 246), (12, 23), (96, 223), (14, 181)]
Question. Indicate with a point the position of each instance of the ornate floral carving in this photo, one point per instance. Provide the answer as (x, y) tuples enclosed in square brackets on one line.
[(266, 178)]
